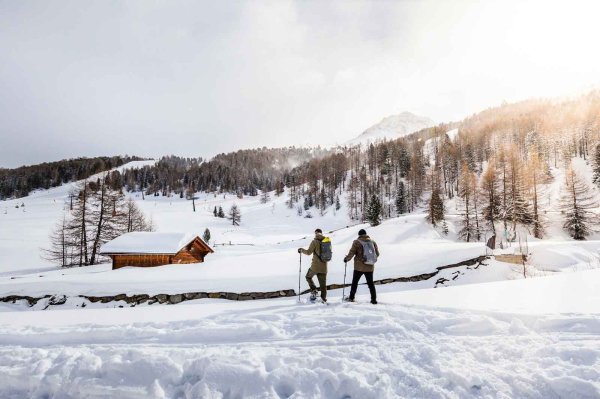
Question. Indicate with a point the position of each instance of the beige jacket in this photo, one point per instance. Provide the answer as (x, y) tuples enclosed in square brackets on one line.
[(356, 252)]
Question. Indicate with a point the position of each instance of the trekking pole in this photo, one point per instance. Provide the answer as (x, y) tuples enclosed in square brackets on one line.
[(299, 275), (344, 286)]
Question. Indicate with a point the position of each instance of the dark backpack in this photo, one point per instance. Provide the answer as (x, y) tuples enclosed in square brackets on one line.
[(325, 253), (369, 253)]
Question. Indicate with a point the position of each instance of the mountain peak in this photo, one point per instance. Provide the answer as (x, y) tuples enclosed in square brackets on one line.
[(393, 127)]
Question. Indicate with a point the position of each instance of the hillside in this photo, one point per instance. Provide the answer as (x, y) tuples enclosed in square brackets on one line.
[(19, 182)]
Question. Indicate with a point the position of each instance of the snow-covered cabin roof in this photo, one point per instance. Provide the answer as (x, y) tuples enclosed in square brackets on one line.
[(142, 242)]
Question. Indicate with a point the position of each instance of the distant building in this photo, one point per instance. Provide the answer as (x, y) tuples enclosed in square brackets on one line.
[(146, 249)]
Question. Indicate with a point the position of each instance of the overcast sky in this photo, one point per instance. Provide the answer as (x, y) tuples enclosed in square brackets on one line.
[(196, 78)]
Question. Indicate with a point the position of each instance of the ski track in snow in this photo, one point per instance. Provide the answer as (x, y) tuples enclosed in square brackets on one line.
[(290, 350)]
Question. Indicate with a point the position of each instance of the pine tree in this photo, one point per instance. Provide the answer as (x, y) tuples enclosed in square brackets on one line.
[(435, 209), (221, 214), (401, 201), (337, 203), (215, 211), (576, 203), (373, 213), (206, 235), (234, 215)]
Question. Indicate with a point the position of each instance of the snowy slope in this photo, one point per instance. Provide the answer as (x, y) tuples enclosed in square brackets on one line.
[(424, 344), (393, 127)]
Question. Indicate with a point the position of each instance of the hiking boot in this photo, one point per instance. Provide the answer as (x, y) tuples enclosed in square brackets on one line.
[(374, 301), (348, 299), (313, 296)]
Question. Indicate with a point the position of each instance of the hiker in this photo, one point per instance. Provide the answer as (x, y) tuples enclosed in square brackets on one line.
[(365, 253), (320, 249)]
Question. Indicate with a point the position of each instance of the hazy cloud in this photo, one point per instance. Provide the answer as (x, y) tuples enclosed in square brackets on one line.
[(197, 78)]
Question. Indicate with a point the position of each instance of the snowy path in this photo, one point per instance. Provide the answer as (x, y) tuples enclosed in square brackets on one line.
[(281, 349), (338, 351)]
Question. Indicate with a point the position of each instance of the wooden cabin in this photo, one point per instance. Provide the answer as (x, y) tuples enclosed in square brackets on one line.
[(147, 249)]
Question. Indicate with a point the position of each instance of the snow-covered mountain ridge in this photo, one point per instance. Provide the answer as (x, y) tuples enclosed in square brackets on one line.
[(393, 127)]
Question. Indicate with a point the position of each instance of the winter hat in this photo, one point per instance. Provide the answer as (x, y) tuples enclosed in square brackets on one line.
[(362, 232)]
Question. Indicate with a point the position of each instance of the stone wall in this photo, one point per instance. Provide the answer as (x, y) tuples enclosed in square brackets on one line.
[(172, 299)]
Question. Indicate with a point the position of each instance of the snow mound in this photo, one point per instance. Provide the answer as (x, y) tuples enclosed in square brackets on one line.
[(393, 127), (558, 258)]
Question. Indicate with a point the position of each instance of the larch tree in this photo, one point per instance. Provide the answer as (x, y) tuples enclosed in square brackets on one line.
[(265, 196), (107, 221), (466, 191), (77, 224), (596, 166), (492, 201), (62, 246), (99, 215), (519, 210), (136, 220), (536, 173), (235, 215)]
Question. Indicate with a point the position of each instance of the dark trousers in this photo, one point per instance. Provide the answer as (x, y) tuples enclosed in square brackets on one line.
[(322, 277), (369, 276)]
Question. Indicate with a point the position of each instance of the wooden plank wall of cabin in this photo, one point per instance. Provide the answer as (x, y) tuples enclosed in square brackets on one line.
[(141, 260)]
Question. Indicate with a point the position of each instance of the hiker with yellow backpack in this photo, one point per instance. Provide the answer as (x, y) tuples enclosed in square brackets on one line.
[(320, 249)]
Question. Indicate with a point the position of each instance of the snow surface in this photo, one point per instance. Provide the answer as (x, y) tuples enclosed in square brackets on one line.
[(148, 243), (393, 127), (422, 343)]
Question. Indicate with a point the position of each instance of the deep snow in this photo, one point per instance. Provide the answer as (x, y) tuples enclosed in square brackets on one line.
[(414, 344)]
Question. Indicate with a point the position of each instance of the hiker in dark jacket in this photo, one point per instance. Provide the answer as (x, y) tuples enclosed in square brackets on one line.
[(317, 267), (357, 251)]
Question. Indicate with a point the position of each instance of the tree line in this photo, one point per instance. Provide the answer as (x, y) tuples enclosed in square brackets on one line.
[(19, 182)]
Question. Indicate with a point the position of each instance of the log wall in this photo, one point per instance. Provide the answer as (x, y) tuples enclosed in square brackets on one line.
[(141, 260)]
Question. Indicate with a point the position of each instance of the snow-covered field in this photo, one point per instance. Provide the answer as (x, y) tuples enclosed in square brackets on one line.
[(441, 343), (490, 333)]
